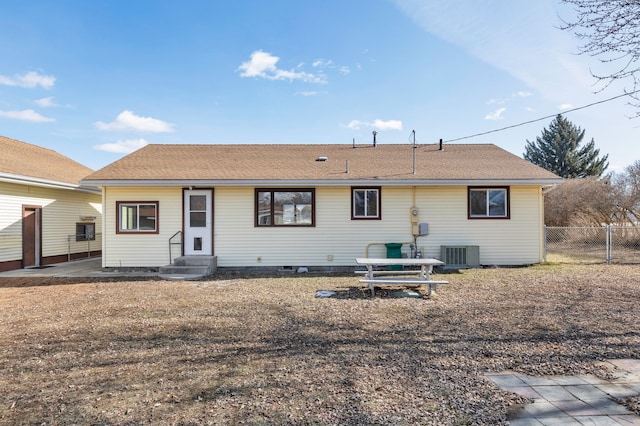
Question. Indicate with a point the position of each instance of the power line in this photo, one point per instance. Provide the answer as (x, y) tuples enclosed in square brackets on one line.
[(541, 118)]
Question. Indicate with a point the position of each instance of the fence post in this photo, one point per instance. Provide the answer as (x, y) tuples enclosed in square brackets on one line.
[(609, 243), (545, 244)]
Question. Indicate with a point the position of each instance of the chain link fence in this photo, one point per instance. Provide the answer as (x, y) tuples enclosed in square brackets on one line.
[(610, 244)]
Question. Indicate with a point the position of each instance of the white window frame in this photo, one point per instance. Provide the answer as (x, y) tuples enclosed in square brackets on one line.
[(367, 215), (136, 229), (487, 208)]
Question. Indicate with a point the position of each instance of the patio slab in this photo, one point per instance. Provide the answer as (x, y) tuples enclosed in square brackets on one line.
[(574, 400)]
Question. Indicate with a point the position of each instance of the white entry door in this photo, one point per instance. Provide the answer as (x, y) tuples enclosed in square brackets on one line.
[(198, 223)]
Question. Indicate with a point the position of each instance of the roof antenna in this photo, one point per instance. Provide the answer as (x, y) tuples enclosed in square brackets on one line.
[(353, 144), (415, 147), (441, 147), (374, 137)]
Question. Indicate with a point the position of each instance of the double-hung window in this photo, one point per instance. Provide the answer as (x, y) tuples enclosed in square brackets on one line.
[(137, 217), (285, 207), (365, 203), (489, 203)]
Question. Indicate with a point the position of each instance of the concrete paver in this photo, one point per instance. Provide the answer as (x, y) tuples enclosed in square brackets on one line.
[(561, 420), (575, 407), (617, 390), (568, 380), (574, 400), (526, 391), (587, 392), (529, 421), (537, 381), (554, 393)]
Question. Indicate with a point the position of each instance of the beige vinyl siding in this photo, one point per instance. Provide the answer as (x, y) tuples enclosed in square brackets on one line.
[(239, 243), (335, 240), (141, 250), (514, 241), (61, 210), (502, 242)]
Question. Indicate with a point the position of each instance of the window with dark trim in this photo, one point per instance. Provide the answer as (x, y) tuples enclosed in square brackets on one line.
[(285, 207), (85, 231), (365, 203), (136, 217), (488, 203)]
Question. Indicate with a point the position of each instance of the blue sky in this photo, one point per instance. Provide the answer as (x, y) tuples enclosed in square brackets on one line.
[(94, 80)]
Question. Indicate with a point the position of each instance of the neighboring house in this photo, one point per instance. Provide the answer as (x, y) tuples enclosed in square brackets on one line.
[(46, 215), (319, 205)]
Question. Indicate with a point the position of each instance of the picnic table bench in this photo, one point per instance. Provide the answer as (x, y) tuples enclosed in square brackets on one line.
[(419, 277)]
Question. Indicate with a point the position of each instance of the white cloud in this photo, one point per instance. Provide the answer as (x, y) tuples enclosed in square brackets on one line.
[(496, 115), (495, 101), (122, 146), (29, 80), (259, 64), (263, 65), (27, 115), (565, 107), (388, 125), (355, 124), (311, 93), (522, 94), (344, 70), (127, 120), (46, 102), (377, 124), (322, 63)]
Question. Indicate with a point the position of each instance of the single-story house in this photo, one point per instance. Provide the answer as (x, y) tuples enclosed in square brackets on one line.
[(46, 215), (321, 206)]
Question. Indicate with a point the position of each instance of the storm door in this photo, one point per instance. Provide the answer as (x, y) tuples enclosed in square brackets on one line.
[(198, 223)]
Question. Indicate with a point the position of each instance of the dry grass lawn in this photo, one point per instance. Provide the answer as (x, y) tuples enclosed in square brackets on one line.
[(265, 350)]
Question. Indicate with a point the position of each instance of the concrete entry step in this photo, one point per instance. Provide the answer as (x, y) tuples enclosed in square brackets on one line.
[(211, 261), (181, 277), (189, 268), (178, 269)]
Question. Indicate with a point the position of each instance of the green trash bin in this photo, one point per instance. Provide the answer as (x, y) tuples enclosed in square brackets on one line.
[(394, 251)]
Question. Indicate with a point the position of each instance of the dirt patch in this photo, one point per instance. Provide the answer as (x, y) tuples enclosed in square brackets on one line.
[(266, 350)]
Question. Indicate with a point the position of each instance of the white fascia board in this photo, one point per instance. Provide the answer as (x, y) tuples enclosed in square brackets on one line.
[(46, 183), (318, 183)]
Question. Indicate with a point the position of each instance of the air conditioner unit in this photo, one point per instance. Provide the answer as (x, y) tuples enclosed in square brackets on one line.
[(460, 256)]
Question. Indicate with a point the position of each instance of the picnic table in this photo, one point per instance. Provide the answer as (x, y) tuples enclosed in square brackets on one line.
[(376, 276)]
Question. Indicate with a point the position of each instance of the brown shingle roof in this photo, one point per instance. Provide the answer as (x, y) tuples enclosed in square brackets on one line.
[(298, 162), (24, 159)]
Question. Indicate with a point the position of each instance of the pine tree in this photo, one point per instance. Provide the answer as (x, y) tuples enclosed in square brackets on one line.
[(558, 150)]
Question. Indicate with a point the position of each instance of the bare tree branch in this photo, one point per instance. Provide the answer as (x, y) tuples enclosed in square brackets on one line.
[(610, 31)]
